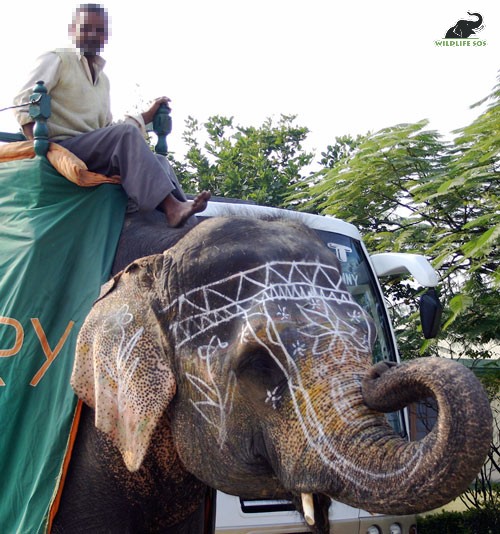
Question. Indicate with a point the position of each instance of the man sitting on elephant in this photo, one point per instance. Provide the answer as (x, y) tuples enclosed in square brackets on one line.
[(81, 121)]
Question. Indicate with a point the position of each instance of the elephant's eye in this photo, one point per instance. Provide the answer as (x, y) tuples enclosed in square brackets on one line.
[(259, 370)]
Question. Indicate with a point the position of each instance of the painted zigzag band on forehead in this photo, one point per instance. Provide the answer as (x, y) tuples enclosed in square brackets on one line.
[(208, 306)]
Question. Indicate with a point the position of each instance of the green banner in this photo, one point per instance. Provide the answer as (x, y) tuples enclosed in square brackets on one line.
[(57, 243)]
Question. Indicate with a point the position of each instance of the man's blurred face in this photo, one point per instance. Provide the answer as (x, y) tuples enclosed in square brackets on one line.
[(89, 31)]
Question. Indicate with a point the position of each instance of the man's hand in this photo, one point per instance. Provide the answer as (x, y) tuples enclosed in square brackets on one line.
[(28, 130), (150, 113)]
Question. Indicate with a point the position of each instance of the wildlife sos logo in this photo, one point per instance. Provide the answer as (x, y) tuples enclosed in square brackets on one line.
[(464, 32)]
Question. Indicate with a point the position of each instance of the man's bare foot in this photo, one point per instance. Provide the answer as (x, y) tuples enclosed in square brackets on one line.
[(178, 212)]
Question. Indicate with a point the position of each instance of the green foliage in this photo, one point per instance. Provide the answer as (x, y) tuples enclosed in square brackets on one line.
[(260, 164), (408, 190), (485, 521), (373, 188), (343, 148)]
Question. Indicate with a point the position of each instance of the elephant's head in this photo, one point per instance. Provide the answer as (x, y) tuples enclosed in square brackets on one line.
[(246, 335)]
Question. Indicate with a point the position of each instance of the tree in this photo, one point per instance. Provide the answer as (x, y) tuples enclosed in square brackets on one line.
[(408, 190), (344, 147), (261, 164), (342, 150)]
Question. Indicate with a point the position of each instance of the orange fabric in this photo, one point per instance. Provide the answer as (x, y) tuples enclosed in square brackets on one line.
[(18, 150), (54, 507), (65, 162)]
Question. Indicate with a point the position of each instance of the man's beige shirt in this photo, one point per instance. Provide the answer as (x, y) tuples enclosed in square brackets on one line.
[(79, 104)]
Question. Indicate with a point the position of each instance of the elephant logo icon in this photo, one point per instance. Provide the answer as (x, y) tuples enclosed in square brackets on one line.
[(463, 29)]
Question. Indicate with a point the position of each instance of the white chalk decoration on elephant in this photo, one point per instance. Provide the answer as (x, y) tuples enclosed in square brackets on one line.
[(324, 310)]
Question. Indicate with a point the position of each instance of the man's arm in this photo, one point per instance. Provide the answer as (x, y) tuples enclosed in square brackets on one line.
[(28, 130)]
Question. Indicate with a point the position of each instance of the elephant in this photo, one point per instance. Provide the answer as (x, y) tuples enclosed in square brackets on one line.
[(464, 28), (244, 364)]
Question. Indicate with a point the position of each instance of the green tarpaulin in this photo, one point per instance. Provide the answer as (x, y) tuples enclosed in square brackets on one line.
[(57, 243)]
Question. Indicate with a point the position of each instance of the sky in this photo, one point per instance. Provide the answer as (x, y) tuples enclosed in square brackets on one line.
[(342, 67)]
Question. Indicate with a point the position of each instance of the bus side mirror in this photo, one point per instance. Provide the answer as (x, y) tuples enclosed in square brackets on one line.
[(430, 313)]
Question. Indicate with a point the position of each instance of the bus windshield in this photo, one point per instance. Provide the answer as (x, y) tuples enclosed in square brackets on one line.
[(359, 279)]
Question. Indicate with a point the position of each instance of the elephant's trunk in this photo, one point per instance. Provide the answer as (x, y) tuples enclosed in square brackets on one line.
[(478, 22), (409, 477), (357, 458)]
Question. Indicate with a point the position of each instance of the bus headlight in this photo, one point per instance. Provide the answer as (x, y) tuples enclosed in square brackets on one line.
[(373, 530), (395, 528)]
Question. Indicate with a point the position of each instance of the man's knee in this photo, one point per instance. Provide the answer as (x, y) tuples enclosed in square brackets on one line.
[(129, 137), (125, 129)]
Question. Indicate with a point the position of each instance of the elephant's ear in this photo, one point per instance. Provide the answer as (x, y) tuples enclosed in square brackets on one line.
[(121, 369)]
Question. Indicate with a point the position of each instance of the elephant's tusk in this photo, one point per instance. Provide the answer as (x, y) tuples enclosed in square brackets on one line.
[(308, 507)]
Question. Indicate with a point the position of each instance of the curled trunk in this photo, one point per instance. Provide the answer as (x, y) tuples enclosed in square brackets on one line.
[(409, 477), (357, 458)]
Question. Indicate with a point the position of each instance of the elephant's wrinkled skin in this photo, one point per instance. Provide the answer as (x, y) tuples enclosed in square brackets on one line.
[(242, 356)]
